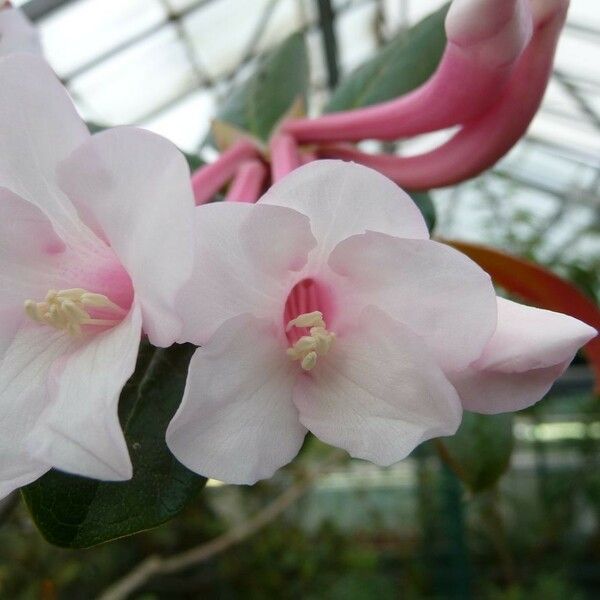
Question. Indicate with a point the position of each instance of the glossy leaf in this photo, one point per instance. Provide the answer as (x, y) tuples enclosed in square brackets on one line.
[(480, 451), (259, 103), (540, 287), (77, 512), (406, 62)]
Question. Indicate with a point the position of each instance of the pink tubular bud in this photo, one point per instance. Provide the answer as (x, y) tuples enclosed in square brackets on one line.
[(208, 180), (248, 183), (483, 141), (284, 155), (485, 40)]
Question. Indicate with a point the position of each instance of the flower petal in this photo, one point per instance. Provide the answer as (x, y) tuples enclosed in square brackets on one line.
[(28, 251), (24, 370), (17, 34), (491, 392), (530, 349), (80, 431), (136, 184), (237, 421), (439, 293), (40, 127), (379, 393), (25, 231), (34, 259), (246, 258), (11, 320), (531, 338), (342, 199)]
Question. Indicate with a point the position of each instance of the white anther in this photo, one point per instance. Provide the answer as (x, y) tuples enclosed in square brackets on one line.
[(309, 347), (309, 361), (305, 344), (99, 301), (70, 294), (73, 329), (54, 317), (311, 319), (73, 311), (66, 309), (32, 311), (322, 338)]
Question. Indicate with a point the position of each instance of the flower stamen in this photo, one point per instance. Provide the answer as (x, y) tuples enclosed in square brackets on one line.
[(309, 347), (311, 319), (68, 310)]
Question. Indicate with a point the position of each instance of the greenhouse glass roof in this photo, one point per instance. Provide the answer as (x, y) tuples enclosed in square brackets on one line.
[(165, 65)]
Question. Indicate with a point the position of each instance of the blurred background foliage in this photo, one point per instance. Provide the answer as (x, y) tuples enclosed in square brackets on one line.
[(509, 509)]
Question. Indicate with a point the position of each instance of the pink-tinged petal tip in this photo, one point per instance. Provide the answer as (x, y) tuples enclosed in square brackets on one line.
[(529, 350)]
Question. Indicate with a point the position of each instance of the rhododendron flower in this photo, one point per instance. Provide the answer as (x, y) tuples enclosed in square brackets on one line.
[(17, 34), (485, 39), (491, 81), (95, 243), (325, 307)]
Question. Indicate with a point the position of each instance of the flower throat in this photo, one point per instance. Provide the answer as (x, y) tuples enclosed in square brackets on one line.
[(305, 325)]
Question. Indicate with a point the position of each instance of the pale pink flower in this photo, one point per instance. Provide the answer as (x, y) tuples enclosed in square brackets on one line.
[(95, 243), (325, 307), (17, 34)]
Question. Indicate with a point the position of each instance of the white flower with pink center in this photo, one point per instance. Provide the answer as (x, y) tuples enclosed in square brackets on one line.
[(325, 307), (95, 243)]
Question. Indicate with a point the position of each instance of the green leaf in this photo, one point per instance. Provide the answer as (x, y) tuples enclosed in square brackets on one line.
[(480, 451), (76, 512), (425, 203), (403, 64), (194, 161), (259, 103), (96, 127)]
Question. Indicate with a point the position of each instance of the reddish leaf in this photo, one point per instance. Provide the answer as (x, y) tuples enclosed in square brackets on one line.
[(538, 286)]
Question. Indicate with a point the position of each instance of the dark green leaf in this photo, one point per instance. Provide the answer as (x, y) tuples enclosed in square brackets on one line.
[(259, 103), (480, 451), (425, 203), (76, 512), (194, 161), (403, 64), (96, 127)]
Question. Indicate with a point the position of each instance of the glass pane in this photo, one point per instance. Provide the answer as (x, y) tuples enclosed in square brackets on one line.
[(139, 80), (80, 32)]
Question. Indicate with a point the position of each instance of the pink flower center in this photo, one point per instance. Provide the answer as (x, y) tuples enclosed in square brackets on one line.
[(306, 296), (102, 303), (304, 320)]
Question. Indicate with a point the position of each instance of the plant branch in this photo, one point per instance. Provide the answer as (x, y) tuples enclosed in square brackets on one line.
[(156, 565)]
